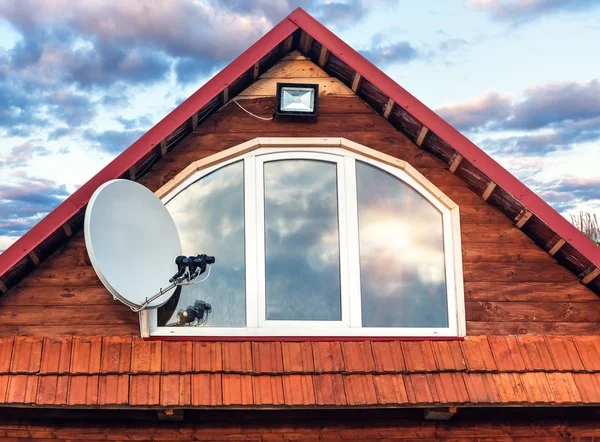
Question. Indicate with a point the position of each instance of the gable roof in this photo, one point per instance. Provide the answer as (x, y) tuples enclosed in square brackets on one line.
[(299, 30)]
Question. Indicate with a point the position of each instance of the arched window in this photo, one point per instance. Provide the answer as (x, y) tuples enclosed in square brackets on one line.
[(317, 242)]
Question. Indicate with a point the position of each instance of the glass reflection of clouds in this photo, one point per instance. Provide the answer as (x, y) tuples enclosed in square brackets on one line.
[(403, 281), (209, 215), (302, 241)]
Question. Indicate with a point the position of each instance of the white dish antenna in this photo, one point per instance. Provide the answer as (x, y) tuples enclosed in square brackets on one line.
[(132, 242)]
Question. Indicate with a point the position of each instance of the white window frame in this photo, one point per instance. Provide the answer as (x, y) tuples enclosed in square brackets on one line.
[(344, 154)]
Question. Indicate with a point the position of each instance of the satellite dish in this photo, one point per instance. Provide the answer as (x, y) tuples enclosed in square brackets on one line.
[(132, 242)]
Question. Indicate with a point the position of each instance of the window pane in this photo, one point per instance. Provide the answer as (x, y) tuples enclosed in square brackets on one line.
[(403, 282), (209, 215), (301, 241)]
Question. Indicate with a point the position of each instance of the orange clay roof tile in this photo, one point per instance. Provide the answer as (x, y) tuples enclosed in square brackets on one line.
[(83, 390), (206, 389), (144, 389), (237, 389), (56, 355), (420, 389), (589, 351), (588, 386), (113, 390), (176, 389), (358, 356), (537, 388), (92, 372), (297, 357), (52, 390), (510, 388), (6, 348), (267, 357), (360, 389), (418, 356), (388, 356), (268, 390), (507, 353), (448, 355), (116, 354), (26, 357), (451, 387), (482, 388), (22, 389), (535, 353), (146, 356), (328, 357), (85, 354), (390, 389), (329, 389), (177, 356), (298, 389), (478, 354), (237, 357), (3, 387), (208, 356), (563, 387), (564, 353)]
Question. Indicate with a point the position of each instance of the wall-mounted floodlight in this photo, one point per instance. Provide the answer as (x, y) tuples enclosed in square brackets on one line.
[(297, 99)]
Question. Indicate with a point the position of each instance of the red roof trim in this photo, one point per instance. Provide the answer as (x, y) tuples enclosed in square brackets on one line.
[(303, 338), (299, 18), (449, 134), (116, 168)]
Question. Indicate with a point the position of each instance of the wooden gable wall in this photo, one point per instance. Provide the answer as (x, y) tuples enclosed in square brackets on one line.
[(511, 285)]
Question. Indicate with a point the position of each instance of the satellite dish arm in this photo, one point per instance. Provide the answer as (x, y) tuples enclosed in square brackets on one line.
[(188, 270), (154, 297)]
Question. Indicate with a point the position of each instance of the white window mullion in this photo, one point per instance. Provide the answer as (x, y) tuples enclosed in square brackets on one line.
[(252, 258), (344, 236), (353, 261), (260, 264)]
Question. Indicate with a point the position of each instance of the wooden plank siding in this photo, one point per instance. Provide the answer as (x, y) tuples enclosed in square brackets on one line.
[(311, 426), (511, 285)]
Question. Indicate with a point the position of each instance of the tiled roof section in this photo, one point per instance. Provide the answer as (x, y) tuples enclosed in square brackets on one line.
[(121, 371)]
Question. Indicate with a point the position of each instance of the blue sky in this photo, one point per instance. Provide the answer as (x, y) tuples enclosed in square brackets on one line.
[(80, 81)]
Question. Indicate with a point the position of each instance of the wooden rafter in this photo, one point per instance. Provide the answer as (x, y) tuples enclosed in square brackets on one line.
[(590, 276), (163, 148), (422, 134), (387, 110), (67, 229), (306, 42), (523, 219), (256, 70), (34, 257), (287, 46), (323, 56), (356, 82), (488, 191), (455, 162), (556, 247)]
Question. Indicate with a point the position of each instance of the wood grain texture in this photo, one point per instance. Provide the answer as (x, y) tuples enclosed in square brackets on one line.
[(295, 69), (268, 86), (504, 271), (483, 425)]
